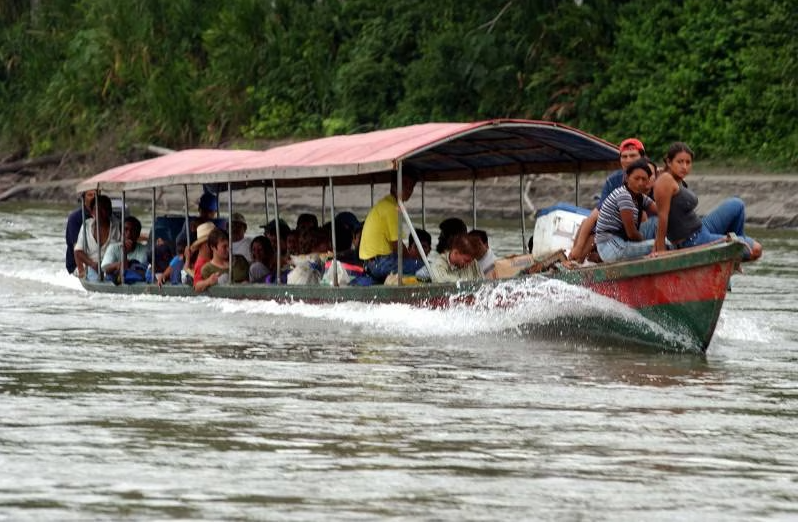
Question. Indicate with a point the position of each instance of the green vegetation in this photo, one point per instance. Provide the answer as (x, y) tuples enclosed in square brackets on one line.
[(719, 74)]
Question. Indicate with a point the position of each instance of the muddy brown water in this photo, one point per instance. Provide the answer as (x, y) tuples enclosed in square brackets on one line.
[(123, 408)]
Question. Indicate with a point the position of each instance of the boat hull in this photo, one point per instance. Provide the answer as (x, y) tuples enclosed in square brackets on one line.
[(681, 292)]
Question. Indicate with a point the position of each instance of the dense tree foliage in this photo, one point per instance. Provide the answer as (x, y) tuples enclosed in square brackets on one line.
[(720, 74)]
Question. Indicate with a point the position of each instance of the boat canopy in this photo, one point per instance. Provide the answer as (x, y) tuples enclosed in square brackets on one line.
[(430, 152)]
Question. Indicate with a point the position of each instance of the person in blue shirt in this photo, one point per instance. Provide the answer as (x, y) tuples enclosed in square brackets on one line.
[(631, 150)]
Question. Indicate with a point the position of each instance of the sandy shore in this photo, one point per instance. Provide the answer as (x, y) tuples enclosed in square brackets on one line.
[(770, 199)]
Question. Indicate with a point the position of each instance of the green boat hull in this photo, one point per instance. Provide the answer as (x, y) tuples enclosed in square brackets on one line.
[(681, 294)]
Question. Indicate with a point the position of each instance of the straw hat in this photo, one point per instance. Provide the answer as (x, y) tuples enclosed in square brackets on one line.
[(203, 231)]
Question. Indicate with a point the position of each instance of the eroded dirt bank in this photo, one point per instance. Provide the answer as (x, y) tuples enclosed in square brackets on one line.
[(771, 199)]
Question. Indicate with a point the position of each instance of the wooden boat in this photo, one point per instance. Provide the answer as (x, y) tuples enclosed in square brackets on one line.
[(680, 293)]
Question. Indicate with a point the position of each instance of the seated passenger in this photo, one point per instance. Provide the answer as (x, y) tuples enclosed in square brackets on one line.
[(450, 227), (631, 150), (203, 253), (217, 270), (426, 243), (88, 250), (207, 206), (348, 220), (130, 249), (238, 230), (308, 265), (678, 220), (270, 231), (306, 221), (380, 242), (617, 231), (485, 256), (262, 260), (458, 263), (73, 224), (348, 229), (173, 272)]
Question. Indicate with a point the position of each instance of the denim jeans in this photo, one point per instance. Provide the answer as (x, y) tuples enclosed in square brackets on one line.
[(728, 217), (616, 249), (380, 267), (648, 228)]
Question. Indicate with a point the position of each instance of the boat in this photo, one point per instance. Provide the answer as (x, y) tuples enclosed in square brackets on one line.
[(680, 293)]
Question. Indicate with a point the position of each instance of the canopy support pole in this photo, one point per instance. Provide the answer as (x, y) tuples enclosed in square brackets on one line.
[(123, 263), (266, 202), (523, 216), (416, 240), (153, 239), (423, 207), (97, 230), (399, 242), (323, 204), (277, 229), (229, 233), (187, 250), (334, 264), (474, 201), (576, 190)]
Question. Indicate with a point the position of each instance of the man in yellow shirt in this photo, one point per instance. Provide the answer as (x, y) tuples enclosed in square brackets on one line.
[(379, 241)]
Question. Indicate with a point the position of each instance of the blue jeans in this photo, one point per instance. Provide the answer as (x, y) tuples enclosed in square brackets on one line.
[(617, 248), (728, 217), (649, 228), (380, 267)]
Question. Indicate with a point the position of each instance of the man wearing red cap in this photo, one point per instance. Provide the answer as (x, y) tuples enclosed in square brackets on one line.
[(631, 150)]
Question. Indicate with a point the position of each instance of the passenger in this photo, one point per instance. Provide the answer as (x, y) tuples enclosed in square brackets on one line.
[(207, 206), (380, 242), (173, 272), (631, 150), (343, 240), (458, 263), (262, 260), (73, 224), (351, 255), (348, 220), (450, 227), (304, 221), (270, 231), (617, 231), (485, 256), (648, 226), (215, 270), (203, 252), (678, 220), (88, 251), (134, 252), (163, 256), (238, 230), (426, 244)]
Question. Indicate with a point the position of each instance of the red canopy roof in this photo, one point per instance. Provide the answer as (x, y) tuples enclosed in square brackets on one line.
[(432, 151)]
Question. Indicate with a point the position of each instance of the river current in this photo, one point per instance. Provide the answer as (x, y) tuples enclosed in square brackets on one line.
[(142, 408)]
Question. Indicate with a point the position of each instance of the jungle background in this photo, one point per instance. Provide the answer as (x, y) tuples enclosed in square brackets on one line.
[(81, 75)]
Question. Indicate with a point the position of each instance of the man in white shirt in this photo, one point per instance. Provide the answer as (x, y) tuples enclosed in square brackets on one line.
[(241, 243)]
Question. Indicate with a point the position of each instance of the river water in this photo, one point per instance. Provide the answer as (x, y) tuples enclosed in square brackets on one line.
[(123, 408)]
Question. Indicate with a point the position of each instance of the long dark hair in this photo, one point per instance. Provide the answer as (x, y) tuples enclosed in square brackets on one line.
[(676, 148)]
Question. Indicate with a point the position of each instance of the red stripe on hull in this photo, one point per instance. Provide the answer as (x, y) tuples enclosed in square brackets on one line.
[(704, 283)]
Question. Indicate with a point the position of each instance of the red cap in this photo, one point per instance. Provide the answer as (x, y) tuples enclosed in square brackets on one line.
[(632, 143)]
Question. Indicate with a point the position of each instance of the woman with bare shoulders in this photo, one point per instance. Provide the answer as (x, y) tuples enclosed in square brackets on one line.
[(676, 204)]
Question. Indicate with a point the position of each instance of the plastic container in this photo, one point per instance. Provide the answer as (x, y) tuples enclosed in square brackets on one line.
[(556, 228)]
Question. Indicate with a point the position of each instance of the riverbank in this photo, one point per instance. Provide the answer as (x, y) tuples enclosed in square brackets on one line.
[(769, 197)]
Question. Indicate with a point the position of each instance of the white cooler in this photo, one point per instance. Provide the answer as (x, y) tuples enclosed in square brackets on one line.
[(556, 228)]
